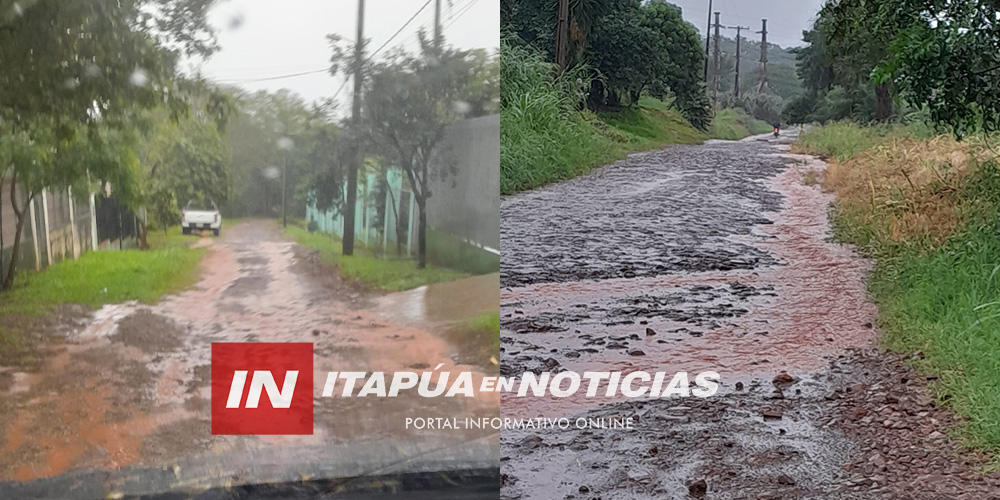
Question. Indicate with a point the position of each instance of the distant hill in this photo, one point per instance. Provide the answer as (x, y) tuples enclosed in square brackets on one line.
[(781, 77)]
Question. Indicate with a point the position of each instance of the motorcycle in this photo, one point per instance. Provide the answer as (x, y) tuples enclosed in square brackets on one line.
[(775, 132)]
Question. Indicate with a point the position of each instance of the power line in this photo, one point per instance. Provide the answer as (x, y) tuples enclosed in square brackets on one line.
[(312, 72), (269, 78), (460, 14), (400, 30), (455, 8)]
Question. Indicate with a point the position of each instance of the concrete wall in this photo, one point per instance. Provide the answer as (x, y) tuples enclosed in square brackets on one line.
[(467, 204), (69, 223)]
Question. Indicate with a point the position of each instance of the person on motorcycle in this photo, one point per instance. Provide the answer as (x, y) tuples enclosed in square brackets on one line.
[(777, 126)]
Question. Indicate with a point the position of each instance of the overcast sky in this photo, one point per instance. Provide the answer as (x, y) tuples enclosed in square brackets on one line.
[(785, 18), (264, 39)]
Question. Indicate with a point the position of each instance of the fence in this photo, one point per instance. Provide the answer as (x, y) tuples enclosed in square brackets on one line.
[(59, 226), (382, 215), (463, 212)]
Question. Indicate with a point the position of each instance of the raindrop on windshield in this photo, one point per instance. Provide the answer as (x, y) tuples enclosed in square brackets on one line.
[(272, 172), (286, 143), (462, 107), (235, 22), (139, 78)]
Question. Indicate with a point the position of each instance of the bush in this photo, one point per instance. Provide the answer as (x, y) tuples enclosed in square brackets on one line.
[(543, 136)]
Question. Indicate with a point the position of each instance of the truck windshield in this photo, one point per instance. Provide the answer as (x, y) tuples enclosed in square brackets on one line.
[(197, 205)]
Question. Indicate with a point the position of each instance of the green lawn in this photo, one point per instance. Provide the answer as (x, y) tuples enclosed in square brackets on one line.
[(378, 273), (487, 325), (95, 279)]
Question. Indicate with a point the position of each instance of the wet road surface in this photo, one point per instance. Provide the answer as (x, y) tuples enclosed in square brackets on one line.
[(713, 257), (130, 387)]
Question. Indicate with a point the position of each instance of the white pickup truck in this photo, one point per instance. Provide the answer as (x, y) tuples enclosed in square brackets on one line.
[(196, 216)]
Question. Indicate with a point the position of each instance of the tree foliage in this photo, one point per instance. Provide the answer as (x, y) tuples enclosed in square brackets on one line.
[(631, 47), (76, 77), (947, 58), (409, 101)]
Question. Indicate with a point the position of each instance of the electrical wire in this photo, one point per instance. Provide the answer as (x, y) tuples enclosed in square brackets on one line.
[(458, 15), (323, 70)]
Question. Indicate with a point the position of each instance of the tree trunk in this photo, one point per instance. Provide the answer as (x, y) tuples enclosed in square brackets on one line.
[(21, 215), (422, 234), (143, 230), (883, 102)]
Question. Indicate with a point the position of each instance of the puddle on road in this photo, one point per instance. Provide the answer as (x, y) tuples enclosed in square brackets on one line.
[(442, 303), (133, 386)]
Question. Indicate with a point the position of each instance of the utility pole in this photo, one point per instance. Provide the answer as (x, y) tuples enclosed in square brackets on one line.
[(359, 158), (717, 60), (437, 24), (284, 189), (562, 34), (708, 39), (736, 84), (763, 56)]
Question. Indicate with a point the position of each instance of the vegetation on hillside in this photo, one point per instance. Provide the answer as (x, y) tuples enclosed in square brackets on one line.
[(544, 137), (623, 49), (783, 84)]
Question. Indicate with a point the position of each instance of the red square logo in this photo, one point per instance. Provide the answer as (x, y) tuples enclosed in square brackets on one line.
[(262, 388)]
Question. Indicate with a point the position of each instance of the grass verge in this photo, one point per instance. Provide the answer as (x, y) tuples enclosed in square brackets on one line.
[(926, 210), (29, 309), (652, 124), (364, 266), (479, 338), (734, 124)]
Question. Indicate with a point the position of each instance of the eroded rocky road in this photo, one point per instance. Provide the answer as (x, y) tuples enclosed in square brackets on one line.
[(126, 391), (713, 257)]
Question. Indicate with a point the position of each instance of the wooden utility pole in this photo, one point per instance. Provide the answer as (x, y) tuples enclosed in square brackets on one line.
[(284, 187), (716, 62), (359, 159), (708, 39), (562, 35), (437, 24), (763, 56), (736, 84)]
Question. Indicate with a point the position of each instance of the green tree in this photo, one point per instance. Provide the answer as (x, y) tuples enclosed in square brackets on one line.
[(409, 102), (182, 158), (948, 58), (75, 77)]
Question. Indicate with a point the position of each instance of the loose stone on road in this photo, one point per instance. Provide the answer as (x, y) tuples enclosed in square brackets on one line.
[(723, 252)]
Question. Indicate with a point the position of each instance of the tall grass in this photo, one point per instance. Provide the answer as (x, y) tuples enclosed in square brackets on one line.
[(543, 137), (927, 210), (842, 140)]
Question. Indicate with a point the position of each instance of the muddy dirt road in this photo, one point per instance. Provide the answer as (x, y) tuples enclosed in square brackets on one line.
[(712, 257), (130, 388)]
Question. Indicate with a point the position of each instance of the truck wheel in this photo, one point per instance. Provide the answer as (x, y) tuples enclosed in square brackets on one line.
[(216, 231), (186, 230)]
